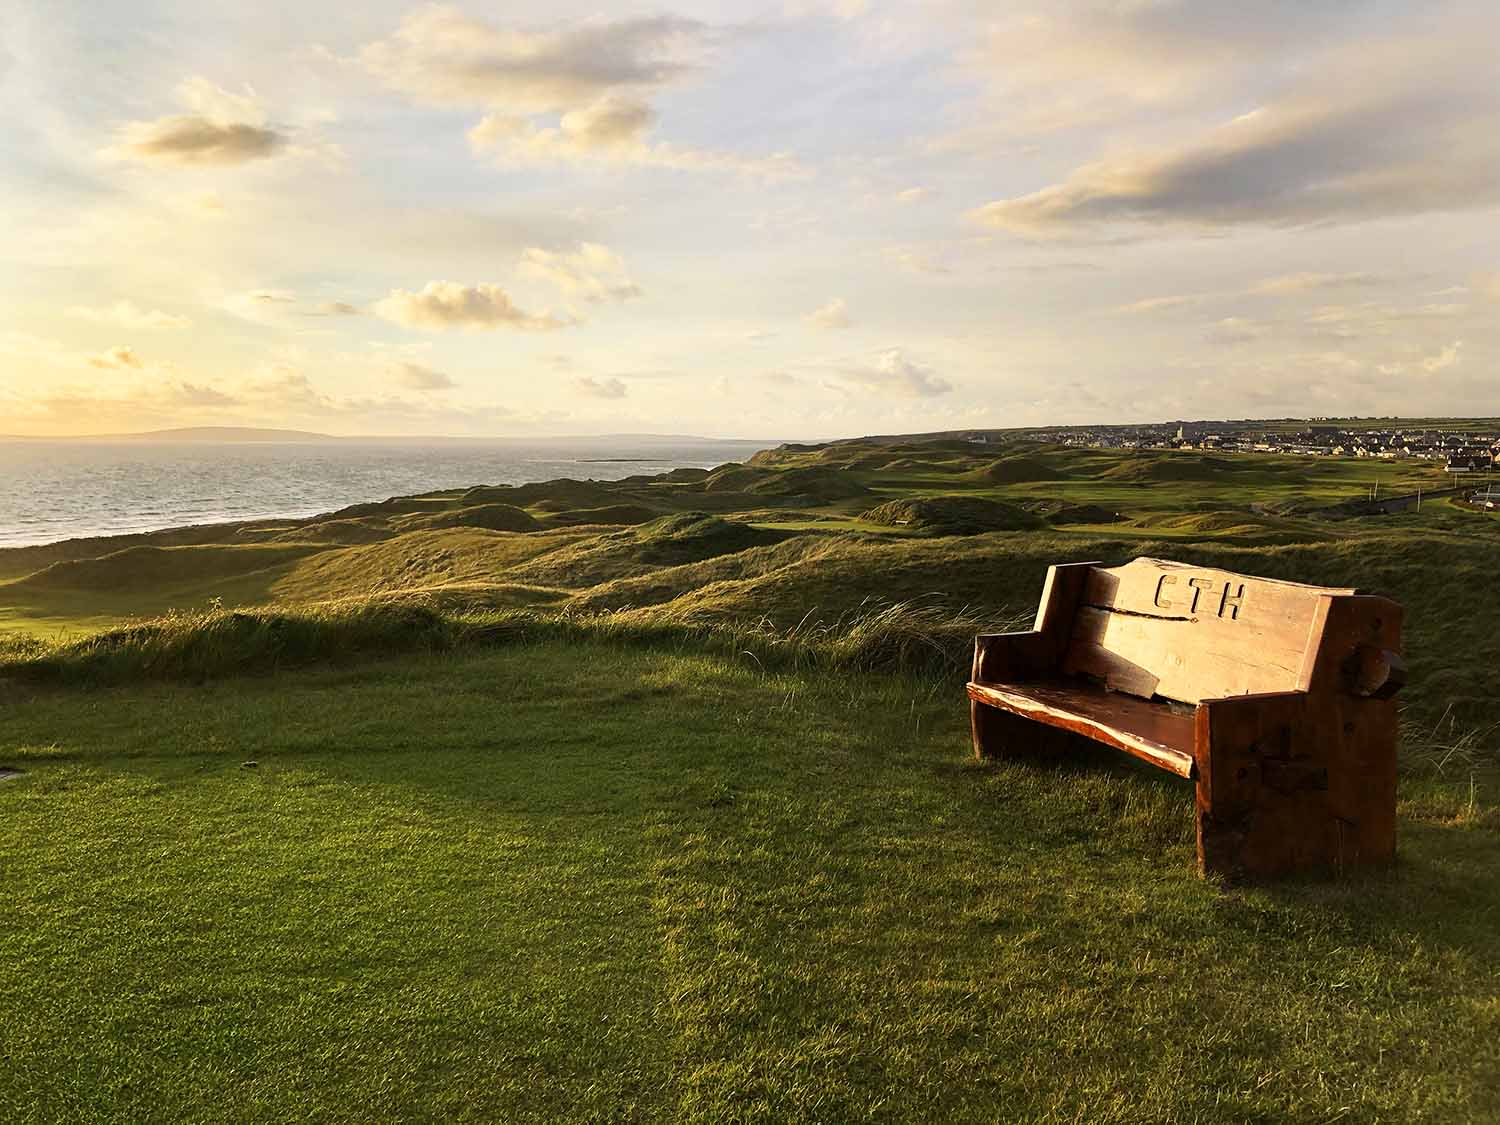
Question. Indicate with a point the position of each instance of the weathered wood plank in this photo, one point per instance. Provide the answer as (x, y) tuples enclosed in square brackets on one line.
[(1153, 627), (1155, 733)]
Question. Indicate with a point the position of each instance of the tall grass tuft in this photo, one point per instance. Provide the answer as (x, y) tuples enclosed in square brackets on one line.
[(921, 636), (1447, 749)]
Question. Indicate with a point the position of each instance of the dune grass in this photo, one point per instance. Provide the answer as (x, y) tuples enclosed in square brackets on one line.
[(216, 643), (423, 888)]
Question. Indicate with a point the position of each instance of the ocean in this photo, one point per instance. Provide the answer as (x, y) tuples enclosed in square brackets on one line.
[(64, 490)]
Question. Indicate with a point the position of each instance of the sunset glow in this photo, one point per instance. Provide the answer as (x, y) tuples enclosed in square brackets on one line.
[(802, 220)]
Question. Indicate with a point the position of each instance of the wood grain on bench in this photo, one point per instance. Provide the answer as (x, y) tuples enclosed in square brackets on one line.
[(1162, 736)]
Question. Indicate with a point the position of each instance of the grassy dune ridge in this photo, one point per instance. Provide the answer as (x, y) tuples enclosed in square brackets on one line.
[(651, 800), (798, 537)]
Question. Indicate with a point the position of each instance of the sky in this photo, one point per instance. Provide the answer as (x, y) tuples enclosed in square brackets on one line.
[(812, 219)]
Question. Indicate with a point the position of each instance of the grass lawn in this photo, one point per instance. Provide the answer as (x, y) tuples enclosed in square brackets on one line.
[(593, 882)]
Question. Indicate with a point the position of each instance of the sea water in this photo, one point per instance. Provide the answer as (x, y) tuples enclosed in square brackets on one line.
[(64, 490)]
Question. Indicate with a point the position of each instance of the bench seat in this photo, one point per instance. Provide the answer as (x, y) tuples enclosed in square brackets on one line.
[(1161, 733)]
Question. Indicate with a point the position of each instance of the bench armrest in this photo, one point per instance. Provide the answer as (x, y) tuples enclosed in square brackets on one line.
[(1001, 658)]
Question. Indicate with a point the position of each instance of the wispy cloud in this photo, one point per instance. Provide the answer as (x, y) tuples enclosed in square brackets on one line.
[(591, 273), (1156, 304), (443, 305), (1304, 282), (332, 308), (1234, 330), (608, 387), (127, 314), (119, 357), (420, 377), (891, 372), (830, 317)]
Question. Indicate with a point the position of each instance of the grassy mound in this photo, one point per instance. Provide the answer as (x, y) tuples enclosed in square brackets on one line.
[(562, 493), (1179, 466), (142, 570), (341, 532), (734, 478), (1018, 469), (609, 514), (666, 541), (953, 515), (418, 560), (813, 482), (664, 584), (493, 516), (691, 536)]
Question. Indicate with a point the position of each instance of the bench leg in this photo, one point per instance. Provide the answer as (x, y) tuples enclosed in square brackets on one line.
[(987, 726), (999, 734)]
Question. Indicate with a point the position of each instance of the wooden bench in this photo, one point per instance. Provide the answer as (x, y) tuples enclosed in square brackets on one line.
[(1275, 697)]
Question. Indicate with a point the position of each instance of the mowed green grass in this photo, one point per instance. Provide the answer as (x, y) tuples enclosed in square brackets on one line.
[(588, 882)]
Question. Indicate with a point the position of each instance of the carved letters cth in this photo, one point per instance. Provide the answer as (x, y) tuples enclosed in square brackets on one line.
[(1230, 599)]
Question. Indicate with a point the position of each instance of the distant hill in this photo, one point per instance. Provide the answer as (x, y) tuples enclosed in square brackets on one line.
[(216, 434), (227, 433), (245, 434)]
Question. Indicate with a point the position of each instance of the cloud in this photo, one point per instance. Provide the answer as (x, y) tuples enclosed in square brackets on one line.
[(614, 129), (1156, 304), (572, 92), (138, 405), (1374, 319), (1448, 357), (25, 345), (221, 129), (1233, 330), (912, 195), (447, 304), (1451, 355), (264, 306), (267, 306), (194, 394), (333, 308), (1403, 129), (419, 377), (441, 55), (1053, 65), (1303, 282), (892, 373), (614, 124), (832, 316), (609, 387), (127, 314), (916, 261), (592, 272), (116, 358)]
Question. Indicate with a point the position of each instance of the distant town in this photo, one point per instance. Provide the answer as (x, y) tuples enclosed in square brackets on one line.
[(1456, 450)]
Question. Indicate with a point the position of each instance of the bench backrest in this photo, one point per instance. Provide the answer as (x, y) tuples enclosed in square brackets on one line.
[(1189, 633)]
